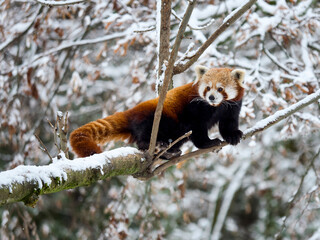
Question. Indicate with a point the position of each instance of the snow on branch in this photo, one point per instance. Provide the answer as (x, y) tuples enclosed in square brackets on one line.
[(22, 31), (78, 43), (60, 3), (26, 183), (281, 114)]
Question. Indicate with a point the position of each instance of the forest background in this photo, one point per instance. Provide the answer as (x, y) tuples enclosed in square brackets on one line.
[(94, 58)]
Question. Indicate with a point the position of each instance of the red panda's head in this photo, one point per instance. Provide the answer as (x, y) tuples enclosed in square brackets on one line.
[(220, 84)]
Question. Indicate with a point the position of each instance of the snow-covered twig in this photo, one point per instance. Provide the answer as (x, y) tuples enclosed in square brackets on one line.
[(60, 3), (79, 43), (280, 65), (230, 19)]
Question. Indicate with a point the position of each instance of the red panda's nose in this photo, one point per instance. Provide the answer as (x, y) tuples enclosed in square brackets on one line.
[(211, 97)]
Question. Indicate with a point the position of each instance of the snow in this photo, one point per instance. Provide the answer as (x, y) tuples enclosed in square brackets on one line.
[(59, 168)]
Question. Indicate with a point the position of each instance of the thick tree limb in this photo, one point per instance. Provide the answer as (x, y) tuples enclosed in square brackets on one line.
[(26, 183), (163, 29)]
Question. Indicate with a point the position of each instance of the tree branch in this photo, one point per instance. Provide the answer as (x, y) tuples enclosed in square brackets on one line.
[(230, 19), (163, 30), (26, 183)]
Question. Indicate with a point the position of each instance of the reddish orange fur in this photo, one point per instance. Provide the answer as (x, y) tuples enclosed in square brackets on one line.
[(84, 140)]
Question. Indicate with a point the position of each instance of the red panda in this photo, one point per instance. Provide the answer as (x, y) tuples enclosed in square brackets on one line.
[(214, 98)]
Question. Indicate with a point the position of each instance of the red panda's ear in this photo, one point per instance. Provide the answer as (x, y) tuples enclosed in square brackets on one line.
[(200, 71), (238, 74)]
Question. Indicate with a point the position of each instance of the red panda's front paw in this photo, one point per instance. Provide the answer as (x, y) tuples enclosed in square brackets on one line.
[(233, 137)]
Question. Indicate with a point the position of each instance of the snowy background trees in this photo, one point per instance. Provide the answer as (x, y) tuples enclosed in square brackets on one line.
[(95, 58)]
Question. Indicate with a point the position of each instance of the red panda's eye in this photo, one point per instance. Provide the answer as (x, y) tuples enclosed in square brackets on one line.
[(220, 89), (208, 88)]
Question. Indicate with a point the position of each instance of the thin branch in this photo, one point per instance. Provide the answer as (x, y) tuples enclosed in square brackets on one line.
[(167, 79), (78, 43), (230, 19), (43, 147), (149, 29), (294, 198), (23, 32), (280, 65), (186, 135), (60, 3), (62, 129)]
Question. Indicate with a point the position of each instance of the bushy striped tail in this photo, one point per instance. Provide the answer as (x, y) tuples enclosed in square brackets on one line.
[(84, 140)]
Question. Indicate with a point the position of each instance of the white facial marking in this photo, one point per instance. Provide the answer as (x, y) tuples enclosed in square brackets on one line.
[(218, 98), (218, 85), (201, 89), (231, 92)]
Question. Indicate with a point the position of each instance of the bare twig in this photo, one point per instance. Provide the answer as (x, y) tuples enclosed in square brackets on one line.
[(62, 128), (167, 79), (43, 147), (230, 19), (172, 144)]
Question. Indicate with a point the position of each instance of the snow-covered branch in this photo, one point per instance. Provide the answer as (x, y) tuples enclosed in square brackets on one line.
[(22, 31), (26, 183), (60, 3), (78, 43)]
